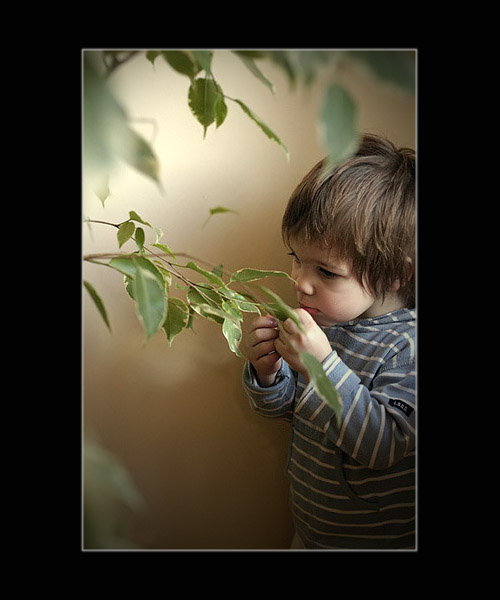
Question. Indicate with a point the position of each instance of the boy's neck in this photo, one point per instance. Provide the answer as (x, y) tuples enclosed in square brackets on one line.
[(391, 303)]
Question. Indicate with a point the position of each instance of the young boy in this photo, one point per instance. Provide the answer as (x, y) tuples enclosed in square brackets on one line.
[(351, 233)]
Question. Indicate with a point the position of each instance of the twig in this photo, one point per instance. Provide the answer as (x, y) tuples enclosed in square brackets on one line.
[(102, 222)]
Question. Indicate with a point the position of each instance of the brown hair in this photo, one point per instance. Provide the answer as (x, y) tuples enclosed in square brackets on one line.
[(365, 208)]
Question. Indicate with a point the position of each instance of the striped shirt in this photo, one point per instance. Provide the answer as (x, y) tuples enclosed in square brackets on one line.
[(353, 486)]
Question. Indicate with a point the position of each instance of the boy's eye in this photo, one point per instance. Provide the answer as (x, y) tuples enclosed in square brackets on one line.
[(294, 256), (327, 274)]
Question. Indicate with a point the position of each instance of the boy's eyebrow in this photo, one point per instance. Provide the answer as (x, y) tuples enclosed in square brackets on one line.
[(328, 266)]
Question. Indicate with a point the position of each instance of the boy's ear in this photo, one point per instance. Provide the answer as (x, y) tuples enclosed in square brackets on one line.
[(411, 268), (409, 272)]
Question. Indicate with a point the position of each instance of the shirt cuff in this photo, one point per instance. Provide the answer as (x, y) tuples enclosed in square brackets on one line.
[(253, 383)]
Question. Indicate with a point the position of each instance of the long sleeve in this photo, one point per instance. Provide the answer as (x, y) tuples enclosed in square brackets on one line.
[(275, 401), (378, 423), (352, 486)]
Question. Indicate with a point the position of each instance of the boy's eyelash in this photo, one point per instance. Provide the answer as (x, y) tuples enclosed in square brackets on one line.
[(327, 274), (324, 272)]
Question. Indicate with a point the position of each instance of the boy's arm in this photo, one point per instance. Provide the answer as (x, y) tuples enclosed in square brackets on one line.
[(275, 401), (378, 425)]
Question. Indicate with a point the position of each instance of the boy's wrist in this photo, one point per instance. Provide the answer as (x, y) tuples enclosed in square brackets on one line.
[(266, 380), (263, 381)]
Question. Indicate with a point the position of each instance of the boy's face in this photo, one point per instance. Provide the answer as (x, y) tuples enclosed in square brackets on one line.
[(326, 288)]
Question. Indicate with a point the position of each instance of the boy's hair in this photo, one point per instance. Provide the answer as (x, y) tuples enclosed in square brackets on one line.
[(365, 208)]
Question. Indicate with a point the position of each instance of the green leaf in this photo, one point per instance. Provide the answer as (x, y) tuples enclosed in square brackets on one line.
[(246, 275), (145, 264), (204, 293), (151, 299), (339, 123), (125, 232), (203, 96), (283, 310), (98, 302), (139, 237), (231, 309), (181, 62), (211, 277), (284, 60), (242, 303), (128, 266), (218, 210), (322, 385), (165, 249), (254, 69), (255, 53), (392, 66), (307, 64), (129, 287), (218, 270), (276, 311), (205, 296), (167, 275), (204, 58), (215, 314), (101, 188), (232, 333), (101, 116), (151, 56), (176, 320), (138, 153), (133, 216), (158, 233), (220, 109), (107, 134), (270, 134), (124, 265)]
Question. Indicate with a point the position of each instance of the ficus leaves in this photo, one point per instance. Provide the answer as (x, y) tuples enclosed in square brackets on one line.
[(322, 385), (206, 102), (147, 276), (206, 99), (107, 131)]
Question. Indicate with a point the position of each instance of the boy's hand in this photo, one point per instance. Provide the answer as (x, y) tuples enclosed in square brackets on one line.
[(291, 341), (257, 345)]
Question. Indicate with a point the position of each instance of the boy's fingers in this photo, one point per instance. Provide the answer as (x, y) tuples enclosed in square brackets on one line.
[(263, 334), (265, 321)]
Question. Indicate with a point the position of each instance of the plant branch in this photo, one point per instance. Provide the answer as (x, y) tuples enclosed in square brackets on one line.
[(201, 261), (176, 273), (90, 257), (102, 222)]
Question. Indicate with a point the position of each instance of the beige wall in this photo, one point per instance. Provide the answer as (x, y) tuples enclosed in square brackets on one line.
[(212, 472)]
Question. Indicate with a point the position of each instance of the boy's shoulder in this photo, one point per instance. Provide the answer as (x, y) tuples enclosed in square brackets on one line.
[(382, 338), (396, 323), (399, 320)]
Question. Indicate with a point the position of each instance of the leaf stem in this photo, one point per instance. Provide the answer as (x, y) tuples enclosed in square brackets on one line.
[(103, 223), (172, 269)]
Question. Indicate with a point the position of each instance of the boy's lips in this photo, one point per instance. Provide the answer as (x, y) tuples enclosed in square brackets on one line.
[(309, 309)]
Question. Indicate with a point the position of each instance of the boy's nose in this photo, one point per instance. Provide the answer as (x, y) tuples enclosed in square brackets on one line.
[(303, 285)]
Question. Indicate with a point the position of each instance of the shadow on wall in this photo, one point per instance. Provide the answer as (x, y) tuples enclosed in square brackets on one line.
[(211, 472)]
